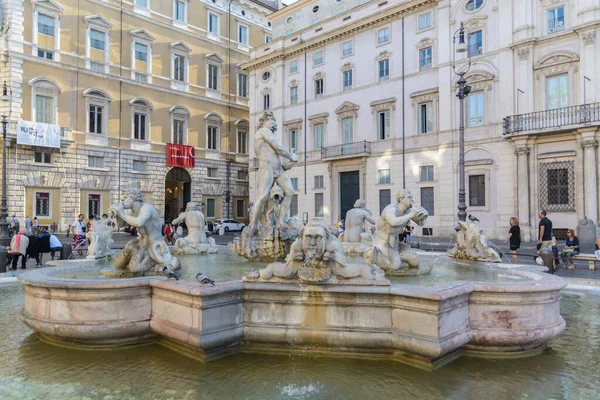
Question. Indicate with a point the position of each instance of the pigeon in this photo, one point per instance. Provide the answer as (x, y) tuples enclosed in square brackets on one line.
[(203, 279), (473, 218), (168, 273)]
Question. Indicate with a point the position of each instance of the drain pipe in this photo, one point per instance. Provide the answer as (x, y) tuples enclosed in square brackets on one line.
[(228, 197), (305, 120), (403, 117)]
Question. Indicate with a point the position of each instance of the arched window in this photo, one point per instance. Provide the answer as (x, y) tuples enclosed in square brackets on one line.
[(96, 104), (140, 118), (44, 100), (242, 128), (473, 5), (213, 131), (179, 124)]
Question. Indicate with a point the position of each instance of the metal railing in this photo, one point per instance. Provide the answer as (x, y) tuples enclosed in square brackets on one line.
[(348, 149), (549, 119)]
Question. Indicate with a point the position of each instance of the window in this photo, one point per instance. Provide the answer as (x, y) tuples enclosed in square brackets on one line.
[(476, 109), (95, 114), (210, 208), (243, 34), (141, 52), (213, 77), (425, 60), (477, 190), (347, 130), (288, 32), (142, 78), (295, 183), (42, 204), (294, 95), (213, 136), (44, 108), (212, 172), (339, 10), (425, 118), (95, 162), (293, 141), (139, 126), (240, 209), (45, 54), (475, 44), (294, 206), (42, 157), (242, 140), (242, 175), (383, 35), (140, 166), (315, 20), (293, 66), (179, 68), (426, 173), (384, 176), (385, 199), (266, 101), (348, 80), (268, 38), (179, 131), (97, 67), (45, 25), (427, 200), (383, 125), (473, 5), (425, 20), (318, 57), (384, 70), (557, 187), (213, 24), (94, 204), (319, 136), (556, 19), (96, 39), (319, 182), (242, 85), (318, 88), (289, 20), (557, 91), (319, 205), (347, 48), (141, 3), (179, 11), (266, 76)]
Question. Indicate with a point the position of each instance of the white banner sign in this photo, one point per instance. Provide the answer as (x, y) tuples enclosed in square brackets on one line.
[(38, 134)]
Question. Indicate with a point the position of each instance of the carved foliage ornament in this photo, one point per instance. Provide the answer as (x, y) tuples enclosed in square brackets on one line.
[(347, 110), (588, 37), (523, 53)]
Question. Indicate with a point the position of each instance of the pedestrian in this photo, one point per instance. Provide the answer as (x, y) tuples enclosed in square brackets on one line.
[(27, 226), (340, 227), (15, 223), (408, 230), (36, 226), (55, 245), (168, 232), (78, 228), (402, 236), (514, 237), (571, 249), (544, 231), (18, 248), (33, 249)]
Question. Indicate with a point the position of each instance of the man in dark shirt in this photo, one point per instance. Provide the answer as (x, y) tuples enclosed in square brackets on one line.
[(544, 231)]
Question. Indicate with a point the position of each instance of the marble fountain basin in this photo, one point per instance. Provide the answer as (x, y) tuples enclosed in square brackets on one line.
[(493, 311)]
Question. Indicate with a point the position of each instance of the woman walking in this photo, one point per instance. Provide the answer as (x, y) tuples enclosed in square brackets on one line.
[(514, 237), (571, 249)]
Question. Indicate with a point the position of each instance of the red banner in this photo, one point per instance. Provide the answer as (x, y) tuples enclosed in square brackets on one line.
[(180, 155)]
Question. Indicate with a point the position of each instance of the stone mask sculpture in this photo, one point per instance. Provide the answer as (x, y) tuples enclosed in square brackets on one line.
[(270, 232), (196, 241), (317, 257)]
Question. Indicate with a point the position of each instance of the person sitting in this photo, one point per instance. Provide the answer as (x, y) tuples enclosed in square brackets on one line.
[(168, 233), (18, 248), (571, 249)]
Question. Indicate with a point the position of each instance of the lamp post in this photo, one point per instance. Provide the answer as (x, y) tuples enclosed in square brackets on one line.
[(459, 46), (4, 235)]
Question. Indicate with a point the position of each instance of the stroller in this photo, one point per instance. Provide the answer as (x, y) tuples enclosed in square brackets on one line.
[(78, 244)]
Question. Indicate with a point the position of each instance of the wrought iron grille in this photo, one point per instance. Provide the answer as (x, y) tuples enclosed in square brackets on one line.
[(318, 204), (356, 148), (42, 206), (427, 200), (557, 186), (555, 118), (294, 206), (477, 190), (385, 198)]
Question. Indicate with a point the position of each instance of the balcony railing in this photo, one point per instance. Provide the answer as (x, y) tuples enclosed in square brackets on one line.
[(347, 150), (552, 119)]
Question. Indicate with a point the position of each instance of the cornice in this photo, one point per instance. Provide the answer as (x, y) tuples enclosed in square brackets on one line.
[(341, 32)]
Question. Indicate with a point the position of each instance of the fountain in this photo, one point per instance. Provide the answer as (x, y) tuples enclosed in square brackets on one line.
[(100, 237), (196, 241), (472, 245)]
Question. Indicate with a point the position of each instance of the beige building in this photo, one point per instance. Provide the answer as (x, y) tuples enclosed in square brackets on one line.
[(121, 80), (365, 93)]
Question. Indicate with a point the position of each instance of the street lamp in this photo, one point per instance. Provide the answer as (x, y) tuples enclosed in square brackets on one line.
[(4, 235), (459, 45)]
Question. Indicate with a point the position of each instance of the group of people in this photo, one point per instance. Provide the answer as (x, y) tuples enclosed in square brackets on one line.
[(545, 241), (31, 226), (79, 227), (32, 246)]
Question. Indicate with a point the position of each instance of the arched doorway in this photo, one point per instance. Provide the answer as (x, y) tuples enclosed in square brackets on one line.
[(178, 191)]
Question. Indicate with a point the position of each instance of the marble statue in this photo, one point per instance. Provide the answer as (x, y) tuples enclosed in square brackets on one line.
[(195, 242), (148, 253), (387, 251), (100, 237), (270, 232), (355, 222), (470, 246), (317, 257)]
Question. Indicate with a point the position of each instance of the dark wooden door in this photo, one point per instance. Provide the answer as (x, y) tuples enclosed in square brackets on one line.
[(349, 190)]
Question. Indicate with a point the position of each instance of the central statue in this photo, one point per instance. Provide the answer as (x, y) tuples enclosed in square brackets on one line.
[(271, 232), (196, 241)]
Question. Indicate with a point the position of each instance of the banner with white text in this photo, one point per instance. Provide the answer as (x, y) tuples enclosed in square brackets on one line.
[(38, 134)]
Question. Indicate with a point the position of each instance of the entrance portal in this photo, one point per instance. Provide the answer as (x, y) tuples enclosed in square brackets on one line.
[(178, 191), (349, 190)]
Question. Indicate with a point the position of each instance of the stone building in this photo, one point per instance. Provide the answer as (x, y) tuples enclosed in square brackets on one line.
[(365, 92), (122, 81)]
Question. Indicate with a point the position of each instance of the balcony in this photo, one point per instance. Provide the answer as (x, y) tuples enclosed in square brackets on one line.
[(348, 150), (558, 119)]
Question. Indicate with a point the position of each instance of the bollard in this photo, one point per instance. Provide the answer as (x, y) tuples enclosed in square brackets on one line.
[(3, 260), (548, 259), (65, 253)]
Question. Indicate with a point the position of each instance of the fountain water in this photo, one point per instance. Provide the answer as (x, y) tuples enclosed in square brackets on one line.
[(100, 237)]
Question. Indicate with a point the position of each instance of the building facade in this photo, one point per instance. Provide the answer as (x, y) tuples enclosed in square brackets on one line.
[(122, 81), (365, 93)]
